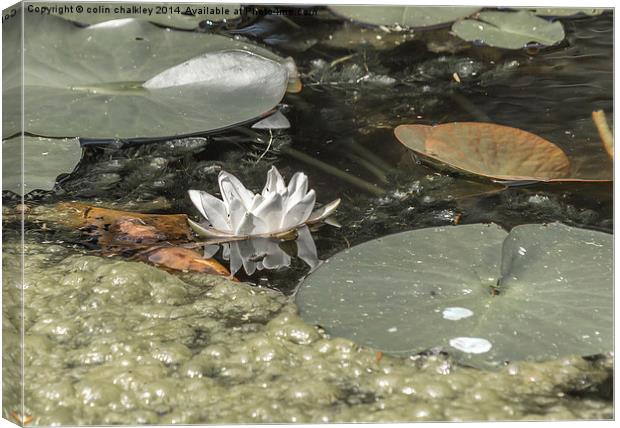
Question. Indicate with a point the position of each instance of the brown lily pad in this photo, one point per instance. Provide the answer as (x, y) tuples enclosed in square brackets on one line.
[(184, 259), (498, 152)]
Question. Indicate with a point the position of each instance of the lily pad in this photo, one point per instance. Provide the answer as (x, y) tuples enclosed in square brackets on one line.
[(176, 15), (567, 12), (501, 153), (44, 160), (476, 291), (509, 30), (404, 16), (89, 82), (351, 36)]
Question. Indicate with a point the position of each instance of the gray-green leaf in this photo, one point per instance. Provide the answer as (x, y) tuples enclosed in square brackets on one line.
[(476, 291), (566, 12), (176, 15), (88, 82), (509, 30), (405, 16), (44, 160)]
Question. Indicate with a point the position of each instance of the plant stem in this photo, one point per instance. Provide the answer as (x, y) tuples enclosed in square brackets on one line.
[(468, 106), (362, 184), (369, 156), (604, 132), (342, 59), (373, 169)]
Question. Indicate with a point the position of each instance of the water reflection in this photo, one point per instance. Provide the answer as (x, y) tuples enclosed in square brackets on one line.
[(257, 254)]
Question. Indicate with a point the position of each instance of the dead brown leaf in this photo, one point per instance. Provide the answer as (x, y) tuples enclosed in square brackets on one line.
[(127, 229), (184, 259)]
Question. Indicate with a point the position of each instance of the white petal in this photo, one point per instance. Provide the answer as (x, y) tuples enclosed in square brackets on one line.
[(274, 121), (262, 248), (211, 208), (332, 222), (250, 267), (324, 212), (300, 212), (232, 188), (280, 184), (270, 183), (250, 225), (298, 180), (270, 211), (297, 189), (208, 232), (275, 182), (276, 257), (210, 251), (226, 251), (195, 196), (237, 212), (235, 258), (306, 250), (247, 253), (256, 201)]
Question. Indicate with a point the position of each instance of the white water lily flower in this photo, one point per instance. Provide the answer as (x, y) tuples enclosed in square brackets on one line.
[(277, 209)]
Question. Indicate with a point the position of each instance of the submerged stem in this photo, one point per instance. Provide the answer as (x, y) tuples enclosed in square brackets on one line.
[(372, 168), (362, 184), (468, 106), (369, 156), (604, 132)]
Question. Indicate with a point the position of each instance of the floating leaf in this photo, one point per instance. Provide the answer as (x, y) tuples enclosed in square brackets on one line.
[(44, 160), (509, 30), (476, 291), (177, 15), (124, 230), (88, 82), (404, 16), (184, 259), (351, 36), (566, 12), (498, 152), (133, 230)]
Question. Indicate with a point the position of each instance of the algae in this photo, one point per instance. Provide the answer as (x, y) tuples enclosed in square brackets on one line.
[(110, 341)]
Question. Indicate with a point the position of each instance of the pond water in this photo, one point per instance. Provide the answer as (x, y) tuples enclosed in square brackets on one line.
[(354, 96)]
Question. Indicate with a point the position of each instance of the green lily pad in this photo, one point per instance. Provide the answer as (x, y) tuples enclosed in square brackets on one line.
[(351, 36), (509, 30), (44, 160), (404, 16), (176, 15), (565, 12), (476, 291), (88, 82)]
